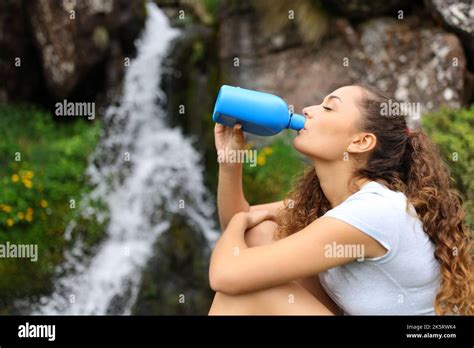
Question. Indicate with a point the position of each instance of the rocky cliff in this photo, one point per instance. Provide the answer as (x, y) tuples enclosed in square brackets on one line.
[(55, 49)]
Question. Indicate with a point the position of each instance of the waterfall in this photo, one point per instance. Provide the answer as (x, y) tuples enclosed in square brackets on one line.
[(147, 171)]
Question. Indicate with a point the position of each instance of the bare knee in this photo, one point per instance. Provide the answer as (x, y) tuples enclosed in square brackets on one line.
[(290, 299), (287, 299), (261, 234), (225, 304)]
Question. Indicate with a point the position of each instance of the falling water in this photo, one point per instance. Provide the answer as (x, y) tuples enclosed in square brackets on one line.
[(147, 171)]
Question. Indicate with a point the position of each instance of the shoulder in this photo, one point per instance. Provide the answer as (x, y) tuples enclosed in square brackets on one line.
[(371, 202), (376, 211)]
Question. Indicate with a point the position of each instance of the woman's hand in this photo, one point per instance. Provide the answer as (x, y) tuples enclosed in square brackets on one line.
[(227, 137), (253, 218)]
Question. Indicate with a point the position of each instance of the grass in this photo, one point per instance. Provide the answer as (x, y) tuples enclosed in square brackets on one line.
[(42, 179), (272, 177)]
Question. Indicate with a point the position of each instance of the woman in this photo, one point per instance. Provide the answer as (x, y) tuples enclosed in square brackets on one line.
[(371, 228)]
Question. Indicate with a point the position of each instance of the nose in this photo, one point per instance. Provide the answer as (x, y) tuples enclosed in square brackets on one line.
[(306, 112)]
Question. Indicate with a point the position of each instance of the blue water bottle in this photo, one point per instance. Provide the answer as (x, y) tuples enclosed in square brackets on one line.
[(258, 113)]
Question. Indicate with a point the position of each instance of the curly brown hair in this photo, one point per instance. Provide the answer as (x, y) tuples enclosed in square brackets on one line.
[(411, 163)]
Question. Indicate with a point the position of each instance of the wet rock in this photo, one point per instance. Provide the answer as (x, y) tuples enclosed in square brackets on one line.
[(175, 281), (283, 24), (184, 12), (71, 39), (18, 64), (191, 83), (249, 30), (457, 16), (363, 9), (413, 61), (73, 36), (238, 43)]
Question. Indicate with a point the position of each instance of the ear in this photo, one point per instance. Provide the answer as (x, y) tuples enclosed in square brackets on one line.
[(362, 142)]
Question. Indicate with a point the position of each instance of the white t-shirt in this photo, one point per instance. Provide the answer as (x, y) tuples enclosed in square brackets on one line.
[(403, 281)]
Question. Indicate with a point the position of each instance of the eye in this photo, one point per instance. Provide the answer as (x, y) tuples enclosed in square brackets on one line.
[(326, 108)]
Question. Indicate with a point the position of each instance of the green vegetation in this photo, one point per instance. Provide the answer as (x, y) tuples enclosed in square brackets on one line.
[(272, 177), (453, 131), (211, 7), (308, 17), (42, 179)]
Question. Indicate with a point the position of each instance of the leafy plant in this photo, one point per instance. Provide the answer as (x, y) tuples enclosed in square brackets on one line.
[(272, 177), (453, 131), (42, 180)]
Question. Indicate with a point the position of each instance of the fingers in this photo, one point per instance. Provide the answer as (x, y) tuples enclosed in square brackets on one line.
[(238, 133), (232, 137), (258, 216), (218, 128), (271, 216)]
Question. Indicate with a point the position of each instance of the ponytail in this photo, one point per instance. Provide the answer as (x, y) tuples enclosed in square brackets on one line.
[(441, 212)]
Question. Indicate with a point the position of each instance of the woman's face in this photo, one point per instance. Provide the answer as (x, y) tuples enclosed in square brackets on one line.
[(332, 126)]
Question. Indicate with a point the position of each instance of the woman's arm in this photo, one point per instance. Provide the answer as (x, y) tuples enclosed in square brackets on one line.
[(272, 207), (236, 268), (262, 234), (230, 194)]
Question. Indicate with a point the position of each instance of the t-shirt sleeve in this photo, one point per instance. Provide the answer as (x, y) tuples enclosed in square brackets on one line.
[(373, 215)]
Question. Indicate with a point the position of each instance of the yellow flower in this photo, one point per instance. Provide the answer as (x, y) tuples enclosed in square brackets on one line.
[(44, 203), (6, 208), (10, 222), (267, 150), (261, 160), (29, 174), (15, 177), (28, 184), (29, 214), (21, 216)]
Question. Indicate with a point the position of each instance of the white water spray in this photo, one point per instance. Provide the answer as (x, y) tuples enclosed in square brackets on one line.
[(150, 171)]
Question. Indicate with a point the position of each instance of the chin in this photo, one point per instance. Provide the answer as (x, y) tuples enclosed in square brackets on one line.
[(300, 146), (296, 143), (309, 148)]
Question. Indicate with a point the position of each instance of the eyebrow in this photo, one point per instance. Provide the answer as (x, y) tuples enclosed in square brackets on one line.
[(334, 97)]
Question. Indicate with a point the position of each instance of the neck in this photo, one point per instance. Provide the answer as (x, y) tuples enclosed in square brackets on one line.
[(335, 180)]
